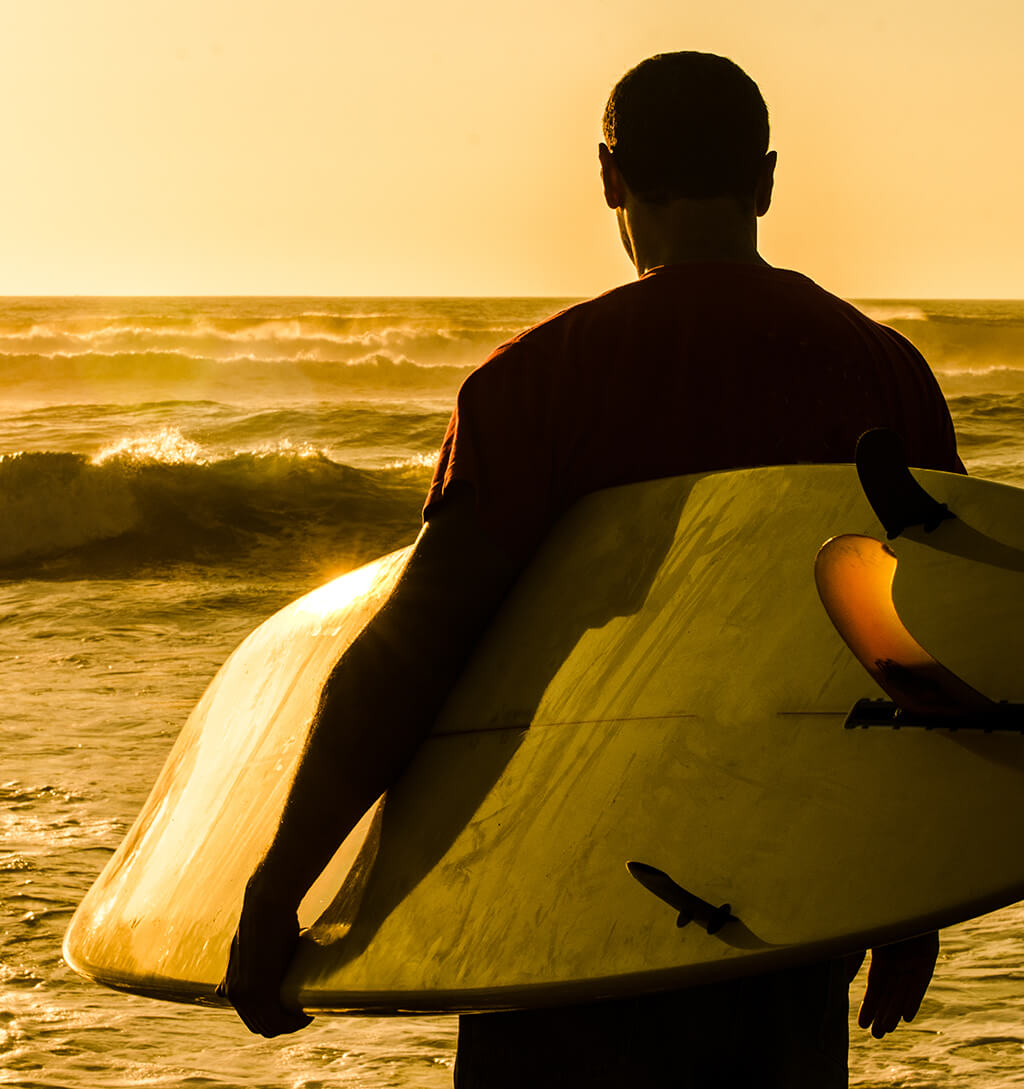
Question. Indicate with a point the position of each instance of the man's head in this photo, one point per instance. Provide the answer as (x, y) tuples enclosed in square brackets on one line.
[(688, 125)]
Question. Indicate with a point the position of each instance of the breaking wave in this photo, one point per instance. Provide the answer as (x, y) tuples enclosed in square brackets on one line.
[(160, 501), (974, 343)]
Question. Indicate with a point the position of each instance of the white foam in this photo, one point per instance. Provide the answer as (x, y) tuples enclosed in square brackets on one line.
[(167, 446)]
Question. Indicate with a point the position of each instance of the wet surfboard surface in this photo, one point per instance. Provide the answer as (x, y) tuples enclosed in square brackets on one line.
[(664, 687)]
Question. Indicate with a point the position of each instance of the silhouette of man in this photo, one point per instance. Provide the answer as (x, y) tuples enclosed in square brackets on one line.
[(711, 359)]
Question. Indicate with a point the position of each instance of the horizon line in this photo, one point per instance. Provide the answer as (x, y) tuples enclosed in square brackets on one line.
[(413, 296)]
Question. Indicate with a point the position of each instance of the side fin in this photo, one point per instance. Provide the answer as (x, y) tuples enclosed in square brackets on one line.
[(854, 575), (895, 496)]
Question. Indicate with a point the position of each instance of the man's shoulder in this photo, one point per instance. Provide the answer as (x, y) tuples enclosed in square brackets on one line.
[(813, 303), (551, 339), (557, 326)]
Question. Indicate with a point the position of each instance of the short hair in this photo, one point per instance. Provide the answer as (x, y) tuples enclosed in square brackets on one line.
[(687, 125)]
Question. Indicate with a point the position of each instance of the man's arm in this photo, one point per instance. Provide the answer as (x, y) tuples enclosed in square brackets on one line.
[(377, 705)]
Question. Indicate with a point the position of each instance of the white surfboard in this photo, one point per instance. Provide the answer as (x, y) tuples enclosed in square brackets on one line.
[(663, 687)]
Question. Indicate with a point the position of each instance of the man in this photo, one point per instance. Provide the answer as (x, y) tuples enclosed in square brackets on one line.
[(710, 360)]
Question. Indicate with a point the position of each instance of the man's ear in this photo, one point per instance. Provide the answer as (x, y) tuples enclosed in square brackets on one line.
[(765, 183), (614, 186)]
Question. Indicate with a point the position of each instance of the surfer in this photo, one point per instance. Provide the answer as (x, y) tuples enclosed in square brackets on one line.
[(711, 359)]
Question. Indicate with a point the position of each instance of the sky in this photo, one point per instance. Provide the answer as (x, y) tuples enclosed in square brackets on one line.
[(328, 147)]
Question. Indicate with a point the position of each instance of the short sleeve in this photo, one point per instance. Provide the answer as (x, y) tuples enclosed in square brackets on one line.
[(499, 443)]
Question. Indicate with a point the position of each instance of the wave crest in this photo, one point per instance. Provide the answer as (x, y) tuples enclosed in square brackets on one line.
[(157, 502), (168, 446)]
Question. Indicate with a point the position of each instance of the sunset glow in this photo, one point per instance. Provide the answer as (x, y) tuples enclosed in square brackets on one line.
[(396, 148)]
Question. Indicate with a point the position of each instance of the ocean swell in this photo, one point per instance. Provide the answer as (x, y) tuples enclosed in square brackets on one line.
[(986, 347), (135, 509), (239, 375)]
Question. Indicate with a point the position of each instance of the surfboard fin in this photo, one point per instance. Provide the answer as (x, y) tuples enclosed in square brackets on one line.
[(691, 908), (895, 496), (854, 575)]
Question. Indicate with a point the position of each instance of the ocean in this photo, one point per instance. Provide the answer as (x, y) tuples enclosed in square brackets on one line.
[(172, 471)]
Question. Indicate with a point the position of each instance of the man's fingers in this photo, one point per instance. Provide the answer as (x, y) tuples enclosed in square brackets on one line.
[(261, 1012), (868, 1007), (880, 1012), (874, 1009), (272, 1022), (913, 1003), (888, 1016), (261, 951), (897, 981)]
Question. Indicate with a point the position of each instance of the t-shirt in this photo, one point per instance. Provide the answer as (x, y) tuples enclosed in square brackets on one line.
[(691, 368)]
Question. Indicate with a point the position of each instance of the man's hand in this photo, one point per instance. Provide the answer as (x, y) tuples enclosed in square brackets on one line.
[(261, 952), (897, 980)]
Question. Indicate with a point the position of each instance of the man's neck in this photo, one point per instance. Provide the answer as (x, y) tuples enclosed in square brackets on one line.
[(688, 231)]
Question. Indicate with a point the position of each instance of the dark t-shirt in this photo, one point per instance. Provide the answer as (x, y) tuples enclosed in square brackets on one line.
[(689, 369)]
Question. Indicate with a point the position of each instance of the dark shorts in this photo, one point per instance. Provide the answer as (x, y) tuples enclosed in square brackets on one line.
[(783, 1030)]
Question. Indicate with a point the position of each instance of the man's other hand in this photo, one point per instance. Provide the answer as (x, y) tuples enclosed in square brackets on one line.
[(897, 980), (261, 952)]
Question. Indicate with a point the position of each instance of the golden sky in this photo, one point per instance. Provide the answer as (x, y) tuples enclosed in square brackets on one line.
[(329, 147)]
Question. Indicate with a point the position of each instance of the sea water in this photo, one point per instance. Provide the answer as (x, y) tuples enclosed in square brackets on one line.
[(172, 471)]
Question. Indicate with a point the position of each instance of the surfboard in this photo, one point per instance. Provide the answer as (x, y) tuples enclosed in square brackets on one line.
[(667, 687)]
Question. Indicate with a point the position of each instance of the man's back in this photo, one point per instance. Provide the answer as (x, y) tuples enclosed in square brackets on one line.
[(695, 367)]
